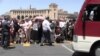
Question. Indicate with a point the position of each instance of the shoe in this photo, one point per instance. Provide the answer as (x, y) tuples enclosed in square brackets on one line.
[(8, 47), (37, 42), (41, 44), (50, 45)]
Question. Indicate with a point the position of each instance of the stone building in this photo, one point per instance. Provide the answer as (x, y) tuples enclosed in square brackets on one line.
[(53, 12)]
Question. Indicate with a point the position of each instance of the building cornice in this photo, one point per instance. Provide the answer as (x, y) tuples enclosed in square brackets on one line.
[(29, 10)]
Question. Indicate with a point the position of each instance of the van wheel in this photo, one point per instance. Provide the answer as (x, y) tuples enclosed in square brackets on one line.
[(95, 51)]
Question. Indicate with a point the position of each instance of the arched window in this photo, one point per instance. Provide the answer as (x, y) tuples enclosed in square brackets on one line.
[(30, 16), (18, 17), (34, 16), (22, 17), (26, 16)]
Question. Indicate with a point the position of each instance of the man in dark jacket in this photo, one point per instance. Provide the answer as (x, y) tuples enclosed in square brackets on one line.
[(5, 33)]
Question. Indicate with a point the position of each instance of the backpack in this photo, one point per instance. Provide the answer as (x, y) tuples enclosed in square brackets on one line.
[(52, 26)]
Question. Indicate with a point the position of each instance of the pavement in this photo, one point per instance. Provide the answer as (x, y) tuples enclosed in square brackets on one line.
[(62, 49), (68, 46)]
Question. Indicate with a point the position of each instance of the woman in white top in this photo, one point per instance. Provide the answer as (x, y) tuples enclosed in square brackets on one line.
[(35, 31)]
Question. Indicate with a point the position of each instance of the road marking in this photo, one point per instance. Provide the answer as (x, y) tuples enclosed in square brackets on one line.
[(67, 48)]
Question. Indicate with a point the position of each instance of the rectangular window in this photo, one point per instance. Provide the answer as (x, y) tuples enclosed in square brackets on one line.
[(93, 12)]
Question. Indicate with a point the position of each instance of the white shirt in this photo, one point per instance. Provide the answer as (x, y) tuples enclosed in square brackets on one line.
[(46, 25), (35, 26), (62, 24), (27, 25), (30, 23)]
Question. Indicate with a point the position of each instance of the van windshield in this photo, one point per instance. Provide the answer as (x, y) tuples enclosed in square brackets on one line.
[(93, 12)]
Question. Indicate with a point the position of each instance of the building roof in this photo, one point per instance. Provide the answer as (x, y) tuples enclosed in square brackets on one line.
[(62, 12), (53, 4), (28, 10)]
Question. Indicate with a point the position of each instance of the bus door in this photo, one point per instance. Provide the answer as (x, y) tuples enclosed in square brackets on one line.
[(91, 21)]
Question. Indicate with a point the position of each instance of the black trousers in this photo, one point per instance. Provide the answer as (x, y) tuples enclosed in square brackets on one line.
[(34, 35), (5, 39), (46, 36), (13, 37), (40, 33)]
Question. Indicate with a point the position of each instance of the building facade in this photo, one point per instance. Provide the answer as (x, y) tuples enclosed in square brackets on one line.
[(53, 12)]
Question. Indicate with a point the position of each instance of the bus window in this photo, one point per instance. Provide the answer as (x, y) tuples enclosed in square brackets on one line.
[(92, 13)]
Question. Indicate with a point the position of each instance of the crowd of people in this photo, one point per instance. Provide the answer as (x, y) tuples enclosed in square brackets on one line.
[(30, 31)]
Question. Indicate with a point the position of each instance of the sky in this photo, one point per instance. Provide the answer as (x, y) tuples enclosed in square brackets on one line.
[(67, 5)]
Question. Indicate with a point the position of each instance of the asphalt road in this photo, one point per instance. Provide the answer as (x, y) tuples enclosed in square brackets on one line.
[(36, 50)]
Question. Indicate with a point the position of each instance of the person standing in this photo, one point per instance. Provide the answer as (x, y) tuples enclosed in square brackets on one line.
[(0, 30), (40, 31), (46, 32), (52, 26), (35, 31), (6, 32), (27, 26), (16, 28)]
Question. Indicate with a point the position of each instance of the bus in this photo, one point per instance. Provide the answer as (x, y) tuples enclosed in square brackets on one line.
[(86, 36)]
